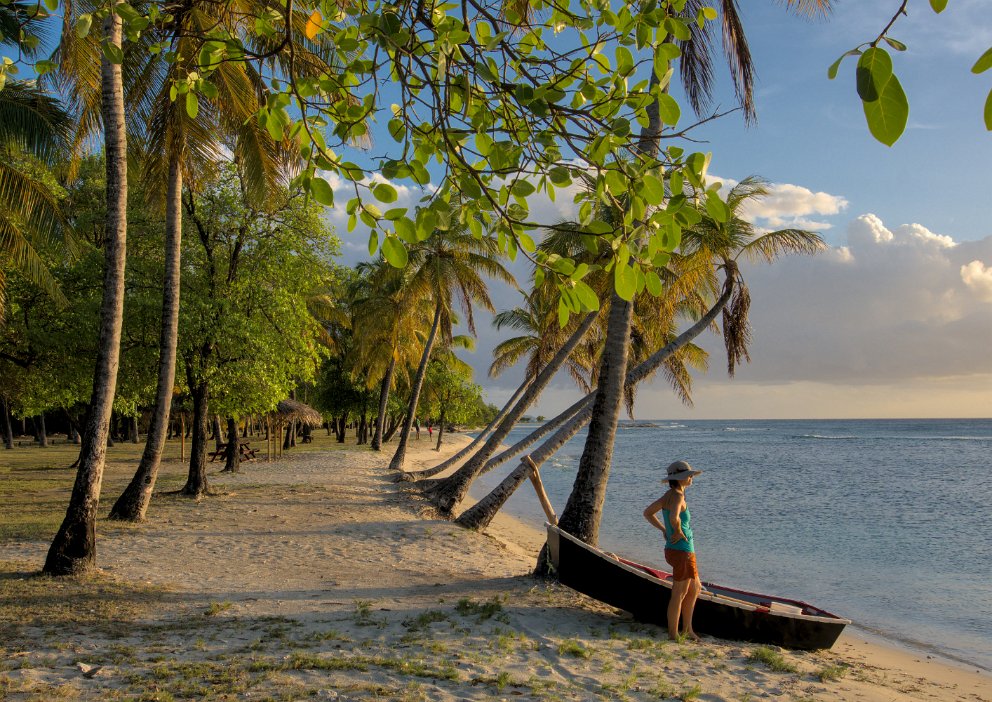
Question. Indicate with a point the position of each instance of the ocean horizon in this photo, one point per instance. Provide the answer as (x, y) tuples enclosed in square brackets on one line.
[(883, 521)]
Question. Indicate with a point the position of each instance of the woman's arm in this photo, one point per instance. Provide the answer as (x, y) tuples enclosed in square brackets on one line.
[(651, 514)]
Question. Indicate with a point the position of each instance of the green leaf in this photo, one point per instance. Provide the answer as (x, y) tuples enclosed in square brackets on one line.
[(83, 25), (653, 189), (984, 63), (716, 208), (384, 192), (193, 107), (113, 53), (874, 71), (625, 282), (406, 229), (832, 71), (562, 312), (668, 109), (587, 296), (938, 5), (322, 191), (988, 112), (895, 43), (373, 242), (394, 252), (887, 116), (653, 282)]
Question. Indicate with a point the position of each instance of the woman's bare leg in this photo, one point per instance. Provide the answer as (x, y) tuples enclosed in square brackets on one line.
[(679, 590), (688, 605)]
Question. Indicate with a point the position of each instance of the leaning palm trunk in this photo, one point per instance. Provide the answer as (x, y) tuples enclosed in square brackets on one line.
[(399, 458), (74, 548), (447, 463), (449, 492), (535, 436), (481, 514), (584, 509), (132, 505), (380, 421)]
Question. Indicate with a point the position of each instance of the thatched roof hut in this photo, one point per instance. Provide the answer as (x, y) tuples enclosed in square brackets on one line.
[(287, 410)]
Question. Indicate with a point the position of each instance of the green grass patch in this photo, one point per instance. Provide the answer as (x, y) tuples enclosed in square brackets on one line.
[(772, 659), (482, 610), (831, 673), (571, 647)]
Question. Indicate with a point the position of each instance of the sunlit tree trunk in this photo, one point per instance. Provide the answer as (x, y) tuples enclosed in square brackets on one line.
[(448, 492), (483, 435), (233, 458), (196, 481), (380, 421), (399, 458), (74, 547)]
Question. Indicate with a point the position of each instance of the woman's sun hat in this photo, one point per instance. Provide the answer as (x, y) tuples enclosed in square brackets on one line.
[(680, 470)]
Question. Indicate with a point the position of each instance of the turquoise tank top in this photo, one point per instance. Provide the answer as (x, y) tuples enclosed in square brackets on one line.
[(686, 543)]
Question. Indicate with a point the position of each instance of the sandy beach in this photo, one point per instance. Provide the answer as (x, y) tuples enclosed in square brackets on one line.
[(316, 577)]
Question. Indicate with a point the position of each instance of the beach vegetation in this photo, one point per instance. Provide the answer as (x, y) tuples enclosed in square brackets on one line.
[(831, 673), (573, 648), (216, 608), (467, 607), (690, 693), (772, 659)]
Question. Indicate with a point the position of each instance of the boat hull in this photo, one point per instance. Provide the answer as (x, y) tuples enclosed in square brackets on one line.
[(721, 612)]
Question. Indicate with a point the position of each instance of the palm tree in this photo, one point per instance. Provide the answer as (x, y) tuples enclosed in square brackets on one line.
[(448, 266), (34, 130), (581, 517), (74, 548)]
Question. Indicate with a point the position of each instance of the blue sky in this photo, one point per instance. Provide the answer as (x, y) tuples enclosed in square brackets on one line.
[(896, 318)]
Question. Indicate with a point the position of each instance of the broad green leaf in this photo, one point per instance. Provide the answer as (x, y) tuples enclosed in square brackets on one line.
[(274, 125), (887, 116), (832, 71), (373, 242), (895, 44), (653, 189), (526, 242), (625, 282), (193, 106), (394, 252), (562, 313), (653, 283), (587, 296), (384, 192), (716, 208), (113, 53), (668, 109), (938, 5), (83, 25), (988, 112), (322, 191), (984, 63), (406, 229), (874, 71)]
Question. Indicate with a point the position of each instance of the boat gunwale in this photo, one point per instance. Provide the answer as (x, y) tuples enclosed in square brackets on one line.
[(715, 598)]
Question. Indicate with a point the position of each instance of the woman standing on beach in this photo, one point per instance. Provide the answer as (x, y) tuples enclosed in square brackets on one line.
[(680, 553)]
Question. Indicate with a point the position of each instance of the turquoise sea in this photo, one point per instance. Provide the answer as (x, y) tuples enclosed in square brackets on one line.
[(885, 522)]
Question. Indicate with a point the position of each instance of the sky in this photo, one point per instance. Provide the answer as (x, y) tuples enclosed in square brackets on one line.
[(895, 318)]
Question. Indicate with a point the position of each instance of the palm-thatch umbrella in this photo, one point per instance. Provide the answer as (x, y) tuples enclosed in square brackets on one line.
[(290, 410)]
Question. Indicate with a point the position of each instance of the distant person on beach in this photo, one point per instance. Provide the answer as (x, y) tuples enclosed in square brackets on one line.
[(680, 553)]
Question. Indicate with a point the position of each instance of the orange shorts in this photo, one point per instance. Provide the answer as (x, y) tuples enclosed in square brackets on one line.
[(683, 564)]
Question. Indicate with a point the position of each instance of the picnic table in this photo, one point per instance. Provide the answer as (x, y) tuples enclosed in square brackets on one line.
[(244, 447)]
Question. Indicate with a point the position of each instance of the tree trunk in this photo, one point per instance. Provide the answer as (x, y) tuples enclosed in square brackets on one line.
[(394, 424), (42, 431), (233, 457), (535, 436), (360, 430), (483, 435), (482, 513), (380, 421), (8, 431), (584, 508), (440, 429), (218, 434), (196, 482), (448, 492), (74, 548), (399, 458), (133, 430), (339, 428)]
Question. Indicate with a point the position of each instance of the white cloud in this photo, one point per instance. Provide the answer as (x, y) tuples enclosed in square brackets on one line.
[(978, 277), (790, 206)]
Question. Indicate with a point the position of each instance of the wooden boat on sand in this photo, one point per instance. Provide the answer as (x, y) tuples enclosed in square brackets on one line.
[(724, 612)]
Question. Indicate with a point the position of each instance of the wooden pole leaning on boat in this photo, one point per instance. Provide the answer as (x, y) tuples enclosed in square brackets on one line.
[(542, 496)]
